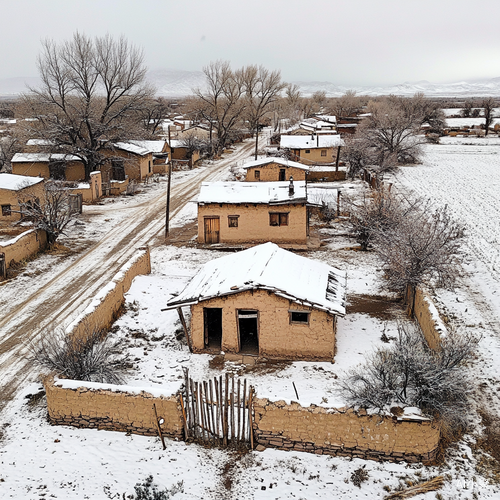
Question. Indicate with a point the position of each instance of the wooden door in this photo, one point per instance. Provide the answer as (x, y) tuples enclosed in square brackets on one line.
[(212, 229)]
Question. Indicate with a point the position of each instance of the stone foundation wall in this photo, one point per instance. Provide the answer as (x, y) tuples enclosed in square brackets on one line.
[(94, 406), (344, 433)]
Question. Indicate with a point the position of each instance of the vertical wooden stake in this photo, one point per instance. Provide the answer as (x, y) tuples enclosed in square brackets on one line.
[(232, 409), (186, 431), (186, 332), (226, 423), (238, 409), (250, 417), (158, 427), (243, 428)]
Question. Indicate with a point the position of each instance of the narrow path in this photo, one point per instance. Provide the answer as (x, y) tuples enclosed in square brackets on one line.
[(57, 302)]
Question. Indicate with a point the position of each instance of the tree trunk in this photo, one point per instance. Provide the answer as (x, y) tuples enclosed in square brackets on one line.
[(256, 142)]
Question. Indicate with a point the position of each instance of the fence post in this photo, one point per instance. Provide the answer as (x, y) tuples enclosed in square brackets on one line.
[(3, 266)]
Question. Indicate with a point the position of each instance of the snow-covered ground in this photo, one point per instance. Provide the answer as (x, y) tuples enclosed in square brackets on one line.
[(41, 461)]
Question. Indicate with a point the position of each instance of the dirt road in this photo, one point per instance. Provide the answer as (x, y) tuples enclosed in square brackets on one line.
[(57, 302)]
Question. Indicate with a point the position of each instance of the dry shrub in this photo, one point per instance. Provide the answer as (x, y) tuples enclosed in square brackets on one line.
[(359, 476), (489, 464), (91, 356)]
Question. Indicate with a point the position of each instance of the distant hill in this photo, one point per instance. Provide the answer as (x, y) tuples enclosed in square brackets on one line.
[(176, 83)]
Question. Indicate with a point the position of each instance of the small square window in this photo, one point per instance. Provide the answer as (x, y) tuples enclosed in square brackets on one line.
[(6, 210), (308, 151), (278, 219), (323, 152), (232, 220), (257, 175), (299, 317)]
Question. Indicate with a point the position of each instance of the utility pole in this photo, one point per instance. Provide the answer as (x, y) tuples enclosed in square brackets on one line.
[(167, 215)]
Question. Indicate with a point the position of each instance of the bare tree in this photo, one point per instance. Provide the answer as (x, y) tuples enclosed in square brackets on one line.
[(346, 105), (223, 102), (152, 113), (91, 356), (52, 214), (488, 106), (262, 89), (467, 109), (192, 144), (91, 92), (375, 213), (392, 128), (423, 247), (409, 373)]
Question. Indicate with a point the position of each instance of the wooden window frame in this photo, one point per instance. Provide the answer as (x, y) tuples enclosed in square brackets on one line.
[(323, 152), (279, 219), (231, 219), (308, 151), (257, 175), (6, 210), (291, 312)]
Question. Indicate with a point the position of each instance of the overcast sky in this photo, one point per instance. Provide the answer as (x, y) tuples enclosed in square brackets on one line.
[(351, 42)]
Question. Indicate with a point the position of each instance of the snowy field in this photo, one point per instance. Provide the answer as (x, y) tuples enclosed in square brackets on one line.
[(41, 461)]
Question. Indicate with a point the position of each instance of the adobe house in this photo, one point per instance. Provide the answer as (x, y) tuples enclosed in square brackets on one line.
[(128, 159), (313, 149), (160, 151), (180, 152), (265, 301), (253, 212), (275, 169), (49, 166), (18, 188)]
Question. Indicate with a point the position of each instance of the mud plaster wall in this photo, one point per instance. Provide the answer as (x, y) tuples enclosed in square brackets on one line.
[(326, 175), (431, 327), (344, 433), (103, 310), (24, 246), (13, 198), (253, 223), (271, 172), (277, 336), (110, 410), (93, 192)]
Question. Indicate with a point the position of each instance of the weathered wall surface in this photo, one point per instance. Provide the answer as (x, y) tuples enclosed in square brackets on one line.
[(23, 246), (93, 191), (344, 433), (315, 156), (271, 172), (102, 311), (326, 175), (428, 318), (75, 170), (277, 336), (253, 223), (113, 410)]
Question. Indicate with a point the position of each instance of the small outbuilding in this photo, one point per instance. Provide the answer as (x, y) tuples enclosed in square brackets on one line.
[(16, 189), (275, 169), (313, 149), (56, 166), (265, 301), (253, 212)]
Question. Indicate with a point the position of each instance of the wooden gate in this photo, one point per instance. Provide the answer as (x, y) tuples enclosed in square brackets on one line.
[(219, 411), (212, 229)]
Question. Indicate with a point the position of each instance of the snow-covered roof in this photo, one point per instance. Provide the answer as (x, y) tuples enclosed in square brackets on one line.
[(176, 143), (331, 119), (308, 142), (40, 142), (14, 182), (151, 146), (279, 161), (42, 157), (251, 192), (268, 267), (131, 147)]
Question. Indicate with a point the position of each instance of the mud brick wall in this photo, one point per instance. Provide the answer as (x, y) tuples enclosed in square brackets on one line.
[(103, 409), (326, 175), (428, 318), (103, 310), (344, 433), (24, 245)]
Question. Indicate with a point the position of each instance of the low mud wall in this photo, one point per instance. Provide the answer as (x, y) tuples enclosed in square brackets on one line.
[(326, 175), (344, 433), (114, 408), (427, 316), (23, 246), (104, 309)]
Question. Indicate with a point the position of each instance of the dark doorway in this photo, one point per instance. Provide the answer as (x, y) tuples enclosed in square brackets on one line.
[(282, 176), (212, 317), (57, 170), (249, 333)]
